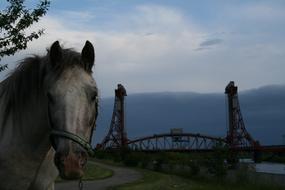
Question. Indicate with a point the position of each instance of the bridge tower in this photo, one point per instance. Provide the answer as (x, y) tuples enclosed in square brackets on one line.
[(237, 135), (117, 136)]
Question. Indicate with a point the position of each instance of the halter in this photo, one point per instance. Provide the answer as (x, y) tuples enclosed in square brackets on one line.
[(77, 139)]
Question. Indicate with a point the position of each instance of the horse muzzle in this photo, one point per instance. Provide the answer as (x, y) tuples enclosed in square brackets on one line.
[(70, 166)]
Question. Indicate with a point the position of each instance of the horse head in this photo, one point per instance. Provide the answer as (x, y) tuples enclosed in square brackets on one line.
[(72, 107)]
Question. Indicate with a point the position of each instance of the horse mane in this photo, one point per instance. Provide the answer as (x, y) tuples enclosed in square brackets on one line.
[(25, 85)]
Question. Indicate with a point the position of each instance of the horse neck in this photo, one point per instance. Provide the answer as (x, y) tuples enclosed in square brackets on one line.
[(24, 144), (35, 125), (28, 127)]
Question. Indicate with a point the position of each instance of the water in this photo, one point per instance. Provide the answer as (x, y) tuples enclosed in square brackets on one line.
[(272, 168), (266, 167)]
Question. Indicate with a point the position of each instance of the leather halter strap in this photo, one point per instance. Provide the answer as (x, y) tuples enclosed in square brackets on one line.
[(77, 139)]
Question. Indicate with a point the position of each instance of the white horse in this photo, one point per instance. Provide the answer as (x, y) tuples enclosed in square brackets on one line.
[(48, 109)]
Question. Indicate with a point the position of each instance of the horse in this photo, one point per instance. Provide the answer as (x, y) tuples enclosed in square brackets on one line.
[(48, 111)]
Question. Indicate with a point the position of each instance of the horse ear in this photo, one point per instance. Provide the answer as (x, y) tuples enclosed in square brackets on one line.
[(55, 53), (88, 56)]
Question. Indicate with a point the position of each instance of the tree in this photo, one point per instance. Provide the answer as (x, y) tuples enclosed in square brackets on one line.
[(14, 20)]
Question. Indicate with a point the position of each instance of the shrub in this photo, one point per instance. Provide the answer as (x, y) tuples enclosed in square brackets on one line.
[(194, 167), (131, 159), (216, 163)]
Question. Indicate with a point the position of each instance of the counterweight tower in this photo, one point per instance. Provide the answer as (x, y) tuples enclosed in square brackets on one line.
[(117, 136), (237, 136)]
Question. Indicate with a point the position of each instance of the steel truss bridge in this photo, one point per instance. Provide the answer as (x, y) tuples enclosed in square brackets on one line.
[(175, 142), (237, 138)]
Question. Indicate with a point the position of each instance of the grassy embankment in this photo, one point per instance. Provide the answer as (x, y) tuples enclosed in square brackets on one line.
[(156, 181), (94, 172), (192, 179)]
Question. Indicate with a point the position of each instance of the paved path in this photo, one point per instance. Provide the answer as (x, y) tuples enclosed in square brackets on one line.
[(121, 175)]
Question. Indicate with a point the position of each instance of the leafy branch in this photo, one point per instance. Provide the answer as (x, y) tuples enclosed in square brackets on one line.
[(14, 20)]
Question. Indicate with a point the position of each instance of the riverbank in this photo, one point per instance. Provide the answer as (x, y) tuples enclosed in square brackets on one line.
[(209, 171), (180, 179), (156, 181)]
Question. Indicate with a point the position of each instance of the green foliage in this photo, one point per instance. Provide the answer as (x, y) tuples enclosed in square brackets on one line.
[(278, 158), (113, 155), (194, 167), (216, 163), (242, 174), (131, 159), (14, 21), (100, 154), (157, 165), (93, 171), (232, 159), (144, 160), (155, 180), (187, 171)]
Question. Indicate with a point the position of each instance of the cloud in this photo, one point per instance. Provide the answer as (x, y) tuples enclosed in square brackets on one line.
[(211, 42), (263, 12), (154, 48), (82, 15), (208, 44), (128, 56), (201, 49)]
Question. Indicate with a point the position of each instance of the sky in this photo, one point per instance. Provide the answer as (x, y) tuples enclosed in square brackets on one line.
[(163, 45)]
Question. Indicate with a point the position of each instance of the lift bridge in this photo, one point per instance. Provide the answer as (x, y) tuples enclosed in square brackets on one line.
[(237, 138)]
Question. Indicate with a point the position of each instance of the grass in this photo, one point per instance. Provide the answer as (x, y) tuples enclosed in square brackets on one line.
[(156, 181), (93, 172), (107, 162)]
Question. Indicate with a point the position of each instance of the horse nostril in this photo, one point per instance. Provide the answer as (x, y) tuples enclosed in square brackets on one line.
[(83, 162), (83, 158)]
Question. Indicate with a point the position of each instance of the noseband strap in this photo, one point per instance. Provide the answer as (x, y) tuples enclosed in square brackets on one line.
[(86, 145)]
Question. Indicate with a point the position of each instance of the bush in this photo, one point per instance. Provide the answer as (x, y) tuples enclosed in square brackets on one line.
[(131, 159), (157, 165), (194, 167), (114, 155), (99, 154), (159, 160), (145, 160), (216, 163), (242, 174)]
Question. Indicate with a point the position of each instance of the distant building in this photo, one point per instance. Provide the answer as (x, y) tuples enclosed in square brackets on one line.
[(283, 139), (176, 131)]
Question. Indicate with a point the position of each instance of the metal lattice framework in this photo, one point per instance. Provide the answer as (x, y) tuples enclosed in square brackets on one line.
[(117, 136), (237, 139), (237, 136), (175, 142)]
